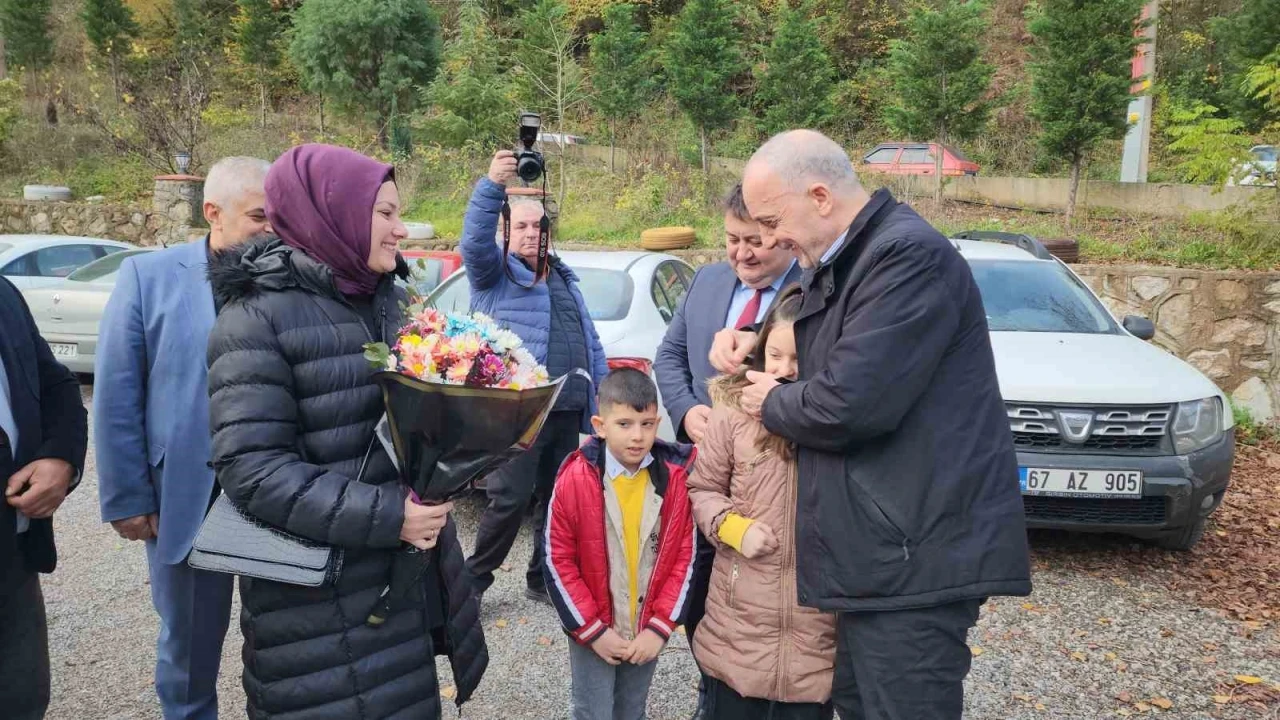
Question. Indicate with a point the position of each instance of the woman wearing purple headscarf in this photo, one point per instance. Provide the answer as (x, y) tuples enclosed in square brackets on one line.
[(293, 410)]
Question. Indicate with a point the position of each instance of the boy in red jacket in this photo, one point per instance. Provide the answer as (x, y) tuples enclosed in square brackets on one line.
[(619, 547)]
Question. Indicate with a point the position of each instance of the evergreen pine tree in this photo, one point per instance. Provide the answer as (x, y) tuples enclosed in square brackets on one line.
[(622, 70), (471, 98), (25, 24), (258, 34), (702, 56), (110, 26), (1081, 77), (794, 89)]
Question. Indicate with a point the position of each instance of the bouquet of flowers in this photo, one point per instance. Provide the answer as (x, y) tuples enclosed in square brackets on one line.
[(462, 396)]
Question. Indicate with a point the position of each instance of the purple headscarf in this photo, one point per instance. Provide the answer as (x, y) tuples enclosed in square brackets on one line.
[(320, 200)]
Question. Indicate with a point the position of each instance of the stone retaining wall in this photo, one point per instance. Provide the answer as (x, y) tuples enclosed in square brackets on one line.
[(174, 216)]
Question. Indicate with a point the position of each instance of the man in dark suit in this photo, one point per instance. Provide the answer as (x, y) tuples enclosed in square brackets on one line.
[(733, 294), (43, 436)]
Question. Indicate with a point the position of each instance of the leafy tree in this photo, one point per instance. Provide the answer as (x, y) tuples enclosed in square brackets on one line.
[(548, 74), (622, 69), (203, 28), (1262, 82), (1081, 77), (471, 97), (1210, 147), (258, 33), (110, 26), (702, 56), (1246, 38), (25, 24), (795, 87), (10, 108), (366, 55), (940, 77)]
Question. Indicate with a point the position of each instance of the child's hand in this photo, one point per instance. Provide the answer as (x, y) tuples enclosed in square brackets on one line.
[(645, 648), (758, 541), (611, 647)]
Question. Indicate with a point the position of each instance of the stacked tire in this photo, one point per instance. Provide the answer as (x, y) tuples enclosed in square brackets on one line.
[(1065, 249), (667, 238)]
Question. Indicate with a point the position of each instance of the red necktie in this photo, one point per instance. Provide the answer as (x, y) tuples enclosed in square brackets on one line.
[(749, 313)]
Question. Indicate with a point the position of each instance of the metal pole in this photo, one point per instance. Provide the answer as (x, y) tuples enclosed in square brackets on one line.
[(1137, 141)]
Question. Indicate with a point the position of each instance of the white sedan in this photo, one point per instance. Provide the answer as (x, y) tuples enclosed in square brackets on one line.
[(631, 297), (35, 261)]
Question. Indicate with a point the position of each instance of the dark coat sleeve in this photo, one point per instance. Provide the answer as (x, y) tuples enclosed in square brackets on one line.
[(64, 423), (254, 418), (671, 364), (900, 321)]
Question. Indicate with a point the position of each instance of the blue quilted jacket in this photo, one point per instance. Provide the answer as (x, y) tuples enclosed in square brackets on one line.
[(524, 311)]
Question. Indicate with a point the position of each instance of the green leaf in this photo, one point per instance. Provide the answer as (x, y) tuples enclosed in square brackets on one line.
[(377, 354)]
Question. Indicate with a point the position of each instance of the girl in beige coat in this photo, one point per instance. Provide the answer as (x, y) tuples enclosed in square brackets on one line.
[(767, 656)]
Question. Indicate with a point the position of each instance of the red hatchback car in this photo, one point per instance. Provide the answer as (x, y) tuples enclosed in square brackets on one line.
[(917, 159), (429, 268)]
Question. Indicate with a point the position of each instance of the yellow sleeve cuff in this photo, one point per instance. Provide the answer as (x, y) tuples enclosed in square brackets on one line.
[(732, 528)]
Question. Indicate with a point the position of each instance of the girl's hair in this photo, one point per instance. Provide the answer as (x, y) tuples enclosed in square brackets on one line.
[(785, 310)]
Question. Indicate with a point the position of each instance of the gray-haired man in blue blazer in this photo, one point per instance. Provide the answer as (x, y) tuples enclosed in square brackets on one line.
[(731, 294), (151, 432)]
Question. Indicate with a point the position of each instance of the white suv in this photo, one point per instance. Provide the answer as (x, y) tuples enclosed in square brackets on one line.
[(1113, 434)]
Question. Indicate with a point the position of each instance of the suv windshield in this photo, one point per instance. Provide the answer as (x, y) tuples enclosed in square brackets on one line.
[(102, 270), (1264, 153), (1023, 296), (606, 292)]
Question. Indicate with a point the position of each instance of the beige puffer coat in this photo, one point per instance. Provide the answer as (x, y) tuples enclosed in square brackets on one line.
[(755, 637)]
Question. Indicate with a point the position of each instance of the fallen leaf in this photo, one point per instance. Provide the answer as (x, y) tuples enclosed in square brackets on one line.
[(1209, 659), (504, 567), (1125, 697), (1028, 606), (1222, 699), (1109, 656), (1166, 632), (1040, 706), (523, 621), (544, 641), (1248, 679), (501, 623), (1120, 582), (1079, 656), (448, 692), (1141, 707), (976, 650), (1162, 703)]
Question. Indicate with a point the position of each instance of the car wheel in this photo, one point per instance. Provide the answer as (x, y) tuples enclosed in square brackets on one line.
[(1184, 538)]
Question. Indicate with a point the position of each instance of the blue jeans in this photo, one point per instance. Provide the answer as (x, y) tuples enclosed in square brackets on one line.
[(602, 691), (195, 609)]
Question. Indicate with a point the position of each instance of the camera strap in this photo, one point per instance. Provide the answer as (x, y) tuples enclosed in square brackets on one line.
[(544, 240)]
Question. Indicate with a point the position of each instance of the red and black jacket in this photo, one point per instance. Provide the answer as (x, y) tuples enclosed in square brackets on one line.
[(576, 544)]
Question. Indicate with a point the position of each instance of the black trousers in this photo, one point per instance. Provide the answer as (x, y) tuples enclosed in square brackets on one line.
[(24, 630), (905, 664), (510, 488), (724, 703)]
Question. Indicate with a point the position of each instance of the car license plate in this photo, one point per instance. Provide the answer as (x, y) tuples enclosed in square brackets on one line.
[(63, 350), (1080, 483)]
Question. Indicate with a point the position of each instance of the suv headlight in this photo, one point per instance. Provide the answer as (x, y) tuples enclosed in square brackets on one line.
[(1197, 424)]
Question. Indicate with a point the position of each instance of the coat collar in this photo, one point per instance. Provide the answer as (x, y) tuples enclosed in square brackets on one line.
[(823, 278)]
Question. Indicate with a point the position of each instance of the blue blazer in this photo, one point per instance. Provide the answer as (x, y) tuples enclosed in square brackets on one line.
[(524, 311), (682, 362), (151, 395)]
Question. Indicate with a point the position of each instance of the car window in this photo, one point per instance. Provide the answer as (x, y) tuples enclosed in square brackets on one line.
[(915, 156), (18, 268), (957, 154), (1261, 154), (607, 293), (883, 155), (61, 260), (103, 270), (1021, 296), (668, 274), (686, 274), (424, 274)]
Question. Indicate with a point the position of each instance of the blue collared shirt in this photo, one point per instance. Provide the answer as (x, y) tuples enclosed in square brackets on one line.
[(10, 427), (742, 295), (613, 468), (835, 248)]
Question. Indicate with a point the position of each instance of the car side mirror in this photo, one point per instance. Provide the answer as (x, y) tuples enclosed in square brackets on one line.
[(1139, 327)]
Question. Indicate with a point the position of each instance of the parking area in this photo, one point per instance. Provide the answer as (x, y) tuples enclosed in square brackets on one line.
[(1113, 629)]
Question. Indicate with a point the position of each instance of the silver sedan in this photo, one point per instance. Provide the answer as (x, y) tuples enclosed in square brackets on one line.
[(36, 261), (68, 313)]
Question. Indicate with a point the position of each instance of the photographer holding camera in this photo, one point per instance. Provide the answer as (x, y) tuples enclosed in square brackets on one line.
[(516, 281)]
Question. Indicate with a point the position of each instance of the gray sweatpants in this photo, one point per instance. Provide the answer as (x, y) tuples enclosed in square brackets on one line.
[(607, 692)]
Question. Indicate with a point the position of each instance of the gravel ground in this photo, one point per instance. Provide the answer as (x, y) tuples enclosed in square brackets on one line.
[(1083, 646)]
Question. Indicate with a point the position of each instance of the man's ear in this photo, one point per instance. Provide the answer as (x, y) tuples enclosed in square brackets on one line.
[(822, 199), (212, 214), (597, 424)]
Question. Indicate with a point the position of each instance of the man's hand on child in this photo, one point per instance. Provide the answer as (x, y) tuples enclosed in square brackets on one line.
[(645, 648), (758, 541), (611, 647)]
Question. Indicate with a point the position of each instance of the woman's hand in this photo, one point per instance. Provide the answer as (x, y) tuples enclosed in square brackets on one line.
[(503, 167), (758, 541), (422, 523)]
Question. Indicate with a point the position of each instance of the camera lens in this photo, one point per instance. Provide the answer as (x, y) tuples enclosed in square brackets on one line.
[(529, 166)]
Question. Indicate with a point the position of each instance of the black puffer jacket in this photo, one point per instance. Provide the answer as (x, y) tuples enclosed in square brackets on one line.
[(292, 412)]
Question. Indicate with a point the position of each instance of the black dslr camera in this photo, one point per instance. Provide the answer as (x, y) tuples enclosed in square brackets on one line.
[(529, 164)]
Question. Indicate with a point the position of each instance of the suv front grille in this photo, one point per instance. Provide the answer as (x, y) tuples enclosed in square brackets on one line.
[(1112, 429), (1101, 511)]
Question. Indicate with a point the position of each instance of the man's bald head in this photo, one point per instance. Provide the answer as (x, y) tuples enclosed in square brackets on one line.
[(802, 190), (800, 157)]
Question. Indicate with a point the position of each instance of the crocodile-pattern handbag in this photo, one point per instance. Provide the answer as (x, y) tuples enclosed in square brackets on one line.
[(231, 541)]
